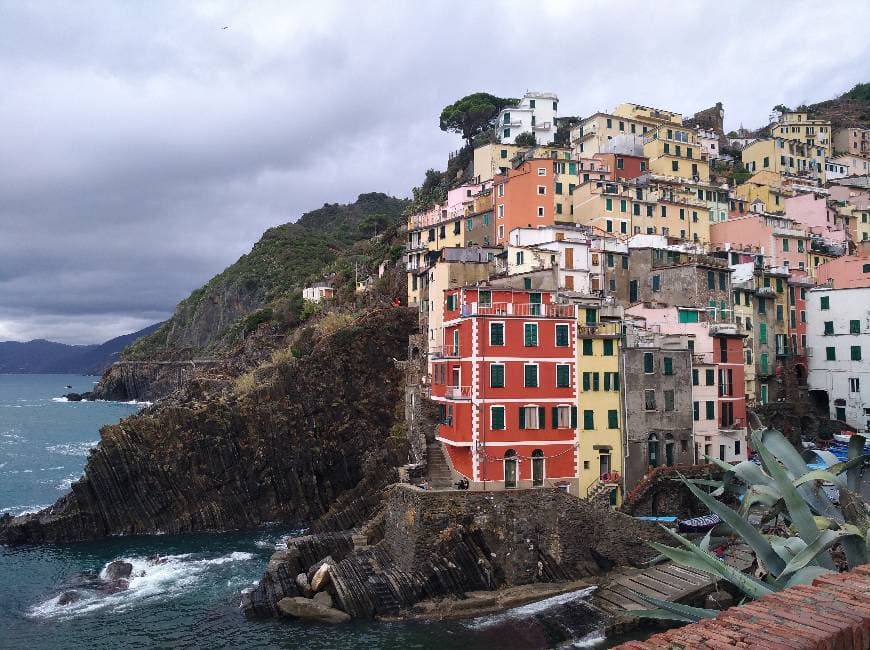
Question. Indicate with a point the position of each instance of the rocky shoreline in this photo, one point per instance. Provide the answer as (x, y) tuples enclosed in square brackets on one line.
[(423, 551)]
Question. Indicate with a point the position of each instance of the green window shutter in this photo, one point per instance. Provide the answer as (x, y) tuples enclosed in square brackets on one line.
[(572, 168), (612, 419), (608, 347), (607, 381), (829, 327), (695, 379), (498, 418), (762, 333), (554, 412), (595, 381), (854, 327), (588, 420), (855, 352), (696, 411), (496, 373), (608, 204), (558, 188), (522, 417), (542, 418), (710, 376), (531, 335), (669, 365), (648, 364), (615, 381), (586, 381), (830, 354), (562, 335), (587, 347), (496, 333), (591, 316), (531, 376), (825, 302), (573, 417), (563, 376), (711, 410)]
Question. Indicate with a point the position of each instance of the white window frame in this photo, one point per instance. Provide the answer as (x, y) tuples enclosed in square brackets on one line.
[(532, 408), (556, 378), (501, 211), (542, 190), (501, 189), (501, 231), (503, 331), (556, 327), (567, 410), (537, 373), (504, 374), (537, 334), (540, 211), (856, 382), (542, 171), (503, 416)]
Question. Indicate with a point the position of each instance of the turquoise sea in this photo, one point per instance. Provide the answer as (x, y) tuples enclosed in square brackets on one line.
[(191, 599)]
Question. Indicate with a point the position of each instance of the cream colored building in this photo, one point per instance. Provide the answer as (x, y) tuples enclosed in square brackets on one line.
[(799, 127), (783, 156)]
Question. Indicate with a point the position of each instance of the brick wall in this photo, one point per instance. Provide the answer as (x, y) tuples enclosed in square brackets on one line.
[(832, 613)]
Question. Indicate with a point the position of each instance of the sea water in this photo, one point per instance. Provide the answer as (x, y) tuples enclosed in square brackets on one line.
[(190, 598)]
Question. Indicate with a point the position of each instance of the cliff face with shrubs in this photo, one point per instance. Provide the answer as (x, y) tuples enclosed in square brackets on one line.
[(280, 443)]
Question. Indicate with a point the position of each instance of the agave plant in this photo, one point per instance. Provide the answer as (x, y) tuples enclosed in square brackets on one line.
[(783, 486)]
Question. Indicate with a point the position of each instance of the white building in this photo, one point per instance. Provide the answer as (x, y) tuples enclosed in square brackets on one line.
[(838, 350), (318, 292), (536, 114), (709, 143), (534, 249)]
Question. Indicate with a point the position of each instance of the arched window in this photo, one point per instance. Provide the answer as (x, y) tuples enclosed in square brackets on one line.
[(653, 449), (669, 450), (537, 467), (510, 468)]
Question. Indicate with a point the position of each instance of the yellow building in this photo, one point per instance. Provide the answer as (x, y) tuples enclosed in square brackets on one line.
[(648, 114), (767, 187), (625, 208), (818, 253), (599, 422), (800, 127), (676, 151), (785, 157), (491, 160), (744, 299), (599, 132)]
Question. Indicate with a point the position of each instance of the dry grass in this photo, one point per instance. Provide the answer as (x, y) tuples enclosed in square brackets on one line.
[(281, 357), (333, 322), (244, 384)]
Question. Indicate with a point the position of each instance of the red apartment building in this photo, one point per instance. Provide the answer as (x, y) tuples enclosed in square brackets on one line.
[(728, 356), (506, 387), (624, 166)]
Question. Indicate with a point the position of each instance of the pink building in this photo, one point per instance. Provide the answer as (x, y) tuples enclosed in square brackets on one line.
[(782, 241), (814, 212), (847, 272)]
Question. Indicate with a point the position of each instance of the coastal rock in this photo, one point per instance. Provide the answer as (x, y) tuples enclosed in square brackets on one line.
[(311, 610), (322, 578), (69, 597), (323, 598), (114, 586), (73, 397), (311, 429), (304, 586), (117, 570)]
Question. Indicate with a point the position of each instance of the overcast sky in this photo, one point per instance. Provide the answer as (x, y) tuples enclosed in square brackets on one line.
[(144, 148)]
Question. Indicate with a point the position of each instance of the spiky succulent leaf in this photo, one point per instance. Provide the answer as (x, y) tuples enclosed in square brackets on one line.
[(686, 611), (820, 475), (855, 450), (806, 575), (659, 614), (814, 553), (743, 528), (798, 510)]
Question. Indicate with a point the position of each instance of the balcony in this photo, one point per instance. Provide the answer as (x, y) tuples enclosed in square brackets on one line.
[(765, 292), (705, 359), (738, 426), (604, 330), (445, 351), (518, 309), (458, 392), (723, 329)]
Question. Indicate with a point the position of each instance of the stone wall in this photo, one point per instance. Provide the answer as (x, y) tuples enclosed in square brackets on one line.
[(662, 493)]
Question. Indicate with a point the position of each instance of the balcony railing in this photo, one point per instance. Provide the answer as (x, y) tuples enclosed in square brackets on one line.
[(458, 392), (518, 309), (737, 425), (705, 359), (445, 351), (599, 329)]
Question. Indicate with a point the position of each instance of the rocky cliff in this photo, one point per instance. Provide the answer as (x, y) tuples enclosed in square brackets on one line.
[(282, 445)]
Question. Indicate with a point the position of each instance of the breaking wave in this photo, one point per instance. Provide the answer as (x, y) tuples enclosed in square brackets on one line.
[(73, 448), (163, 577)]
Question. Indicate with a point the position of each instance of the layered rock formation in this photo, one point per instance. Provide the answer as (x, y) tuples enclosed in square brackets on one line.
[(307, 431), (423, 544)]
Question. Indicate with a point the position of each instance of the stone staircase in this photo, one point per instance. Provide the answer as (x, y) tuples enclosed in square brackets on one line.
[(437, 470)]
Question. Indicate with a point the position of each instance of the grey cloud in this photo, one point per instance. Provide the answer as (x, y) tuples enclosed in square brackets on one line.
[(144, 148)]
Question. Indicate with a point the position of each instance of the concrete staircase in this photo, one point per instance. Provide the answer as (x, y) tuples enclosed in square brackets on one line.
[(438, 472)]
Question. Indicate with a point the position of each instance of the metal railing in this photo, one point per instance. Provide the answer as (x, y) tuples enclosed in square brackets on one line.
[(518, 309), (458, 392), (599, 329), (445, 351)]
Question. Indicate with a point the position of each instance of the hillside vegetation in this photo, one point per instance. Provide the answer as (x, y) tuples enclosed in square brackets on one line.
[(266, 284)]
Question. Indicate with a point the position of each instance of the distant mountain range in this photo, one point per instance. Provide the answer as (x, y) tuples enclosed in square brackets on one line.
[(41, 356)]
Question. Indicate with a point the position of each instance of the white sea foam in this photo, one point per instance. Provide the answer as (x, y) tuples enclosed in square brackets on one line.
[(66, 484), (73, 448), (10, 437), (525, 611), (59, 399), (23, 510), (170, 577)]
